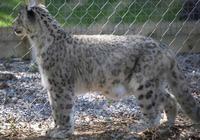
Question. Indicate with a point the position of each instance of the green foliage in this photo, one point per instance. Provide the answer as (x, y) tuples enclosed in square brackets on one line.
[(86, 12), (6, 11)]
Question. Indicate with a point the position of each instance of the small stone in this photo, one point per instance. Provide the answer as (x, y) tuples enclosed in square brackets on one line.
[(3, 85), (14, 99), (7, 76), (2, 67)]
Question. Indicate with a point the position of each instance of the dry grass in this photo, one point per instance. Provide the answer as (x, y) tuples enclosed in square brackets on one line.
[(119, 130)]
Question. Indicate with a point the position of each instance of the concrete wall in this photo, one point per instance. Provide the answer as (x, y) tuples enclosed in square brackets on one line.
[(13, 46), (182, 37)]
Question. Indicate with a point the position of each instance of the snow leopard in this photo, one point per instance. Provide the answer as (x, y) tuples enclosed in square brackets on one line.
[(113, 65)]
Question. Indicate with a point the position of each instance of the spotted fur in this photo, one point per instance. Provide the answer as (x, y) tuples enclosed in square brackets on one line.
[(116, 66)]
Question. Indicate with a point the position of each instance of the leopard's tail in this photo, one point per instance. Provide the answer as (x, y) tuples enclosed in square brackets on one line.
[(180, 89)]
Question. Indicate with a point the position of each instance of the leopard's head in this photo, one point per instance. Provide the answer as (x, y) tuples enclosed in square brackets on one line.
[(25, 23)]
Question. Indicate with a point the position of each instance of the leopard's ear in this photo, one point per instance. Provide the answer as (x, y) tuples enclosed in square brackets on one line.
[(31, 14), (33, 3)]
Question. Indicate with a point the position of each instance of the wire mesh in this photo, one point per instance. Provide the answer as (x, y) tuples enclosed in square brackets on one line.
[(24, 103)]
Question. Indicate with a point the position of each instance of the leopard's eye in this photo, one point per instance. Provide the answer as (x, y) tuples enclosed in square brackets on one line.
[(20, 13)]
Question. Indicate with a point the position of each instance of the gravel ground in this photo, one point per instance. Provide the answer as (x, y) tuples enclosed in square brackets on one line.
[(25, 111)]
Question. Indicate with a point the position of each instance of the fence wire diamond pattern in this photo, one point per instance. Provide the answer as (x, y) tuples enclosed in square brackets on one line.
[(24, 103)]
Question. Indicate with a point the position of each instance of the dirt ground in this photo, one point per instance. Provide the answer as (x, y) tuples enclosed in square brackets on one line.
[(118, 130)]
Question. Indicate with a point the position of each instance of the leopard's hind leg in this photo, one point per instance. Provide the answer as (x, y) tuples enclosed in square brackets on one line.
[(147, 93), (170, 107)]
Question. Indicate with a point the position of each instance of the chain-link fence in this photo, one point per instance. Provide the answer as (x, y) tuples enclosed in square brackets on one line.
[(23, 102)]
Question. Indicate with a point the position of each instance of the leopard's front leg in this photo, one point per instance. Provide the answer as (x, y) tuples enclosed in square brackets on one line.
[(62, 104)]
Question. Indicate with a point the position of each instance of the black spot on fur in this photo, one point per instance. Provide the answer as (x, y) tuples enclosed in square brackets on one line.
[(45, 22), (67, 119), (63, 83), (167, 95), (141, 105), (127, 70), (58, 96), (148, 84), (139, 78), (116, 82), (149, 94), (54, 26), (60, 90), (50, 81), (174, 83), (115, 72), (69, 106), (68, 97), (137, 67), (156, 96), (140, 97), (174, 75), (140, 87), (61, 106), (49, 19), (31, 15), (162, 99), (145, 114), (149, 107), (43, 15), (198, 112)]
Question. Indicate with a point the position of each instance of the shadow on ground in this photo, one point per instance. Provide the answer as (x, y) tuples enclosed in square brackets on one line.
[(183, 129)]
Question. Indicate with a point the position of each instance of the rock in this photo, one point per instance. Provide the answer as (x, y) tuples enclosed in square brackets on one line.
[(7, 76), (3, 85), (2, 67)]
